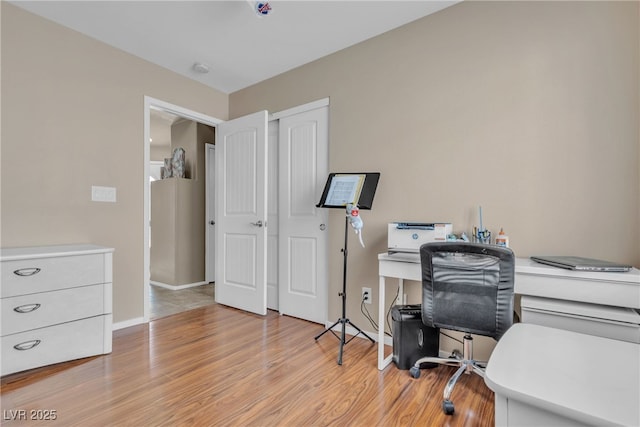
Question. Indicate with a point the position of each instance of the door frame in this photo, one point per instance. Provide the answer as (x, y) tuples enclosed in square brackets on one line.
[(209, 229), (156, 104)]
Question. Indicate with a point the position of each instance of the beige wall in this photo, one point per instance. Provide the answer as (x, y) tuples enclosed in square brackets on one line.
[(72, 117), (177, 232), (529, 109)]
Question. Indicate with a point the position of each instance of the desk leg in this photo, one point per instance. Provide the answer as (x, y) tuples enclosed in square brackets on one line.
[(382, 361), (381, 298)]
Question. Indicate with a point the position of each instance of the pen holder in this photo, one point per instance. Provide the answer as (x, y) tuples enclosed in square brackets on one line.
[(483, 237)]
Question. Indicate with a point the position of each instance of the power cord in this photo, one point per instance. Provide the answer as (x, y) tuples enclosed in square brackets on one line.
[(365, 311), (367, 315), (395, 298)]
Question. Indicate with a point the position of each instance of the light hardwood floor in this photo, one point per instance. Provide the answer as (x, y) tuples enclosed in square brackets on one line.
[(217, 366)]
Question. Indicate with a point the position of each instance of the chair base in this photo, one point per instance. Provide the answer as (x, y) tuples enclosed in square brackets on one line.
[(465, 364), (447, 407)]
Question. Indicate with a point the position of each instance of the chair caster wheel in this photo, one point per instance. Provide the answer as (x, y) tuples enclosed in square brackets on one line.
[(447, 407), (415, 372)]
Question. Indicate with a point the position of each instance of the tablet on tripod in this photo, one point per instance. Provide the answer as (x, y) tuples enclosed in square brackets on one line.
[(342, 189)]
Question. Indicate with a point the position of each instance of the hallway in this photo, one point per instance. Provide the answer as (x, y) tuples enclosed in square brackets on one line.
[(165, 302)]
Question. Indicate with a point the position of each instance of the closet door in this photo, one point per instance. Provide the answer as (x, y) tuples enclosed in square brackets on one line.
[(303, 234), (241, 213)]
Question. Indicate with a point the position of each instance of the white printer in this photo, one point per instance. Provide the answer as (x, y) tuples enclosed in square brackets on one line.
[(409, 236)]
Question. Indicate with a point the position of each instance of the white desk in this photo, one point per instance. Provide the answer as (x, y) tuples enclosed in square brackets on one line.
[(401, 267), (547, 376), (566, 297)]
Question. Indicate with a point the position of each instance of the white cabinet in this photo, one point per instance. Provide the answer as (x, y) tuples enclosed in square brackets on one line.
[(55, 304)]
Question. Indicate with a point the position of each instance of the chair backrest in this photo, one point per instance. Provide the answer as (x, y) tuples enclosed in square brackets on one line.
[(467, 287)]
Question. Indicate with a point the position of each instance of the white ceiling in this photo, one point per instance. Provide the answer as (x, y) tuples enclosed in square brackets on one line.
[(240, 47)]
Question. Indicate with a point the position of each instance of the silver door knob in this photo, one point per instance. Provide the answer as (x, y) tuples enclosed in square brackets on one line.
[(257, 224), (323, 227)]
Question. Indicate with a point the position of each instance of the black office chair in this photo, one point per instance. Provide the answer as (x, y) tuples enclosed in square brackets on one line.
[(466, 287)]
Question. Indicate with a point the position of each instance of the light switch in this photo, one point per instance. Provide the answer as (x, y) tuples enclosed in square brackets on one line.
[(103, 194)]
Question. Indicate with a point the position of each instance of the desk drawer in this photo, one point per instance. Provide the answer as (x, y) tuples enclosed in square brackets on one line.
[(604, 292), (34, 311), (40, 347), (30, 276), (401, 270), (605, 328)]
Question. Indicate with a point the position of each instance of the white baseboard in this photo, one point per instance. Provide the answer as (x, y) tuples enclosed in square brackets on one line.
[(127, 323), (177, 287)]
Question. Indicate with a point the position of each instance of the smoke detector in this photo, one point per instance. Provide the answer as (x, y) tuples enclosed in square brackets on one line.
[(201, 68), (261, 8)]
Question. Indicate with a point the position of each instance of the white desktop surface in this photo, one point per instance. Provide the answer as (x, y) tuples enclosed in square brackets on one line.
[(591, 380), (527, 265)]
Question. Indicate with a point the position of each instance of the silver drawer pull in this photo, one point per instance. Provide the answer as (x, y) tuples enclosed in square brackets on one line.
[(27, 271), (27, 345), (27, 308)]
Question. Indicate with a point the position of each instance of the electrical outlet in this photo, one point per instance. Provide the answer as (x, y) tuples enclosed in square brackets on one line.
[(366, 295)]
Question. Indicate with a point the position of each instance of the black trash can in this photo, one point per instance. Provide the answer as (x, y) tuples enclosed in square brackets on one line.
[(412, 339)]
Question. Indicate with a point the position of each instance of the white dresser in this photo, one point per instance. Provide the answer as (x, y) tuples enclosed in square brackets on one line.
[(56, 304)]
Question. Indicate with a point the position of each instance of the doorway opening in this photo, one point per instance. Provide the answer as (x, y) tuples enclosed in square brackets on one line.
[(160, 297)]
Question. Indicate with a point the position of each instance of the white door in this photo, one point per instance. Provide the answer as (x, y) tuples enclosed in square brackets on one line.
[(241, 213), (303, 168), (210, 218)]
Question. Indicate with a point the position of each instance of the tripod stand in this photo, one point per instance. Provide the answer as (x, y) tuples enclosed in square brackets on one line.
[(343, 321)]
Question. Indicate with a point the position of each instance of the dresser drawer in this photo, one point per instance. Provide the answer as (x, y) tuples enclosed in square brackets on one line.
[(21, 277), (54, 344), (34, 311)]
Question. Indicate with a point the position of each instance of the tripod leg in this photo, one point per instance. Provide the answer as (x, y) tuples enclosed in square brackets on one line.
[(361, 331), (327, 330)]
